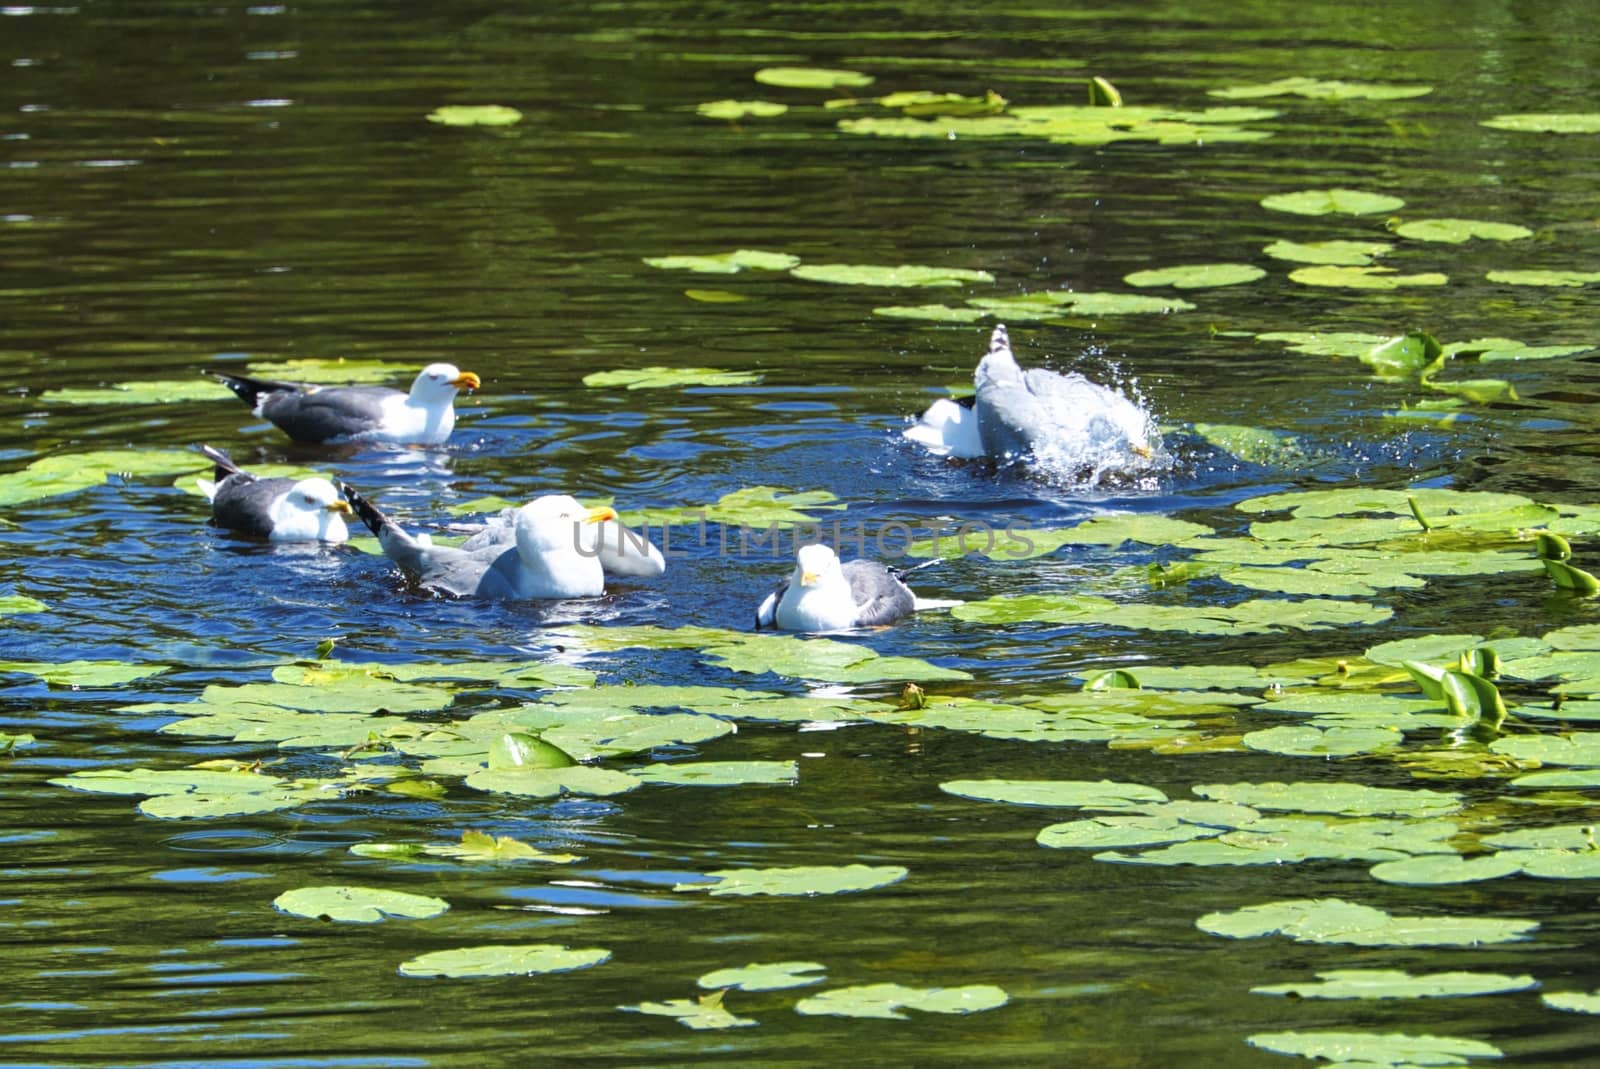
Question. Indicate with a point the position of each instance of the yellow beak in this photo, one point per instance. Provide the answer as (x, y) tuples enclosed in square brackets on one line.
[(466, 381), (341, 507), (809, 578), (600, 514), (1144, 450)]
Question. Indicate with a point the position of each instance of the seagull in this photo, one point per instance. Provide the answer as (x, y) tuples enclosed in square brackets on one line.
[(823, 595), (544, 557), (622, 551), (1061, 422), (320, 414), (279, 510)]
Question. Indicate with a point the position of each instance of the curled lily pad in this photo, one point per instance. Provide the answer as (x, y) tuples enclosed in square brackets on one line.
[(503, 960), (1332, 202), (475, 115), (364, 905)]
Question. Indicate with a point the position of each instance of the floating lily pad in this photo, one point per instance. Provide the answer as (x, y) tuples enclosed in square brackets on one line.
[(934, 313), (551, 782), (754, 513), (68, 473), (720, 773), (83, 675), (475, 847), (1196, 276), (1305, 740), (1016, 543), (1078, 125), (1332, 202), (652, 378), (1327, 343), (17, 604), (902, 275), (1249, 617), (1375, 1050), (1395, 983), (1333, 920), (365, 905), (1489, 350), (1321, 89), (1061, 303), (726, 263), (1085, 794), (1456, 231), (1545, 278), (703, 1013), (1432, 870), (1572, 1001), (812, 78), (1346, 799), (733, 110), (1253, 445), (1548, 122), (157, 392), (1348, 253), (194, 793), (475, 115), (1363, 278), (503, 960), (801, 880), (766, 976), (334, 371), (887, 1000)]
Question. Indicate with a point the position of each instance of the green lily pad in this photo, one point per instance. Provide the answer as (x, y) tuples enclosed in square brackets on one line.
[(1347, 253), (1250, 617), (503, 960), (1332, 202), (734, 110), (1572, 1001), (475, 847), (720, 773), (1363, 278), (887, 1000), (18, 604), (1395, 983), (1084, 794), (933, 313), (1431, 870), (551, 782), (766, 976), (1544, 278), (654, 378), (877, 275), (157, 392), (475, 115), (1322, 89), (802, 880), (68, 473), (812, 78), (1490, 350), (193, 792), (1581, 751), (726, 263), (1307, 741), (821, 659), (1016, 543), (1196, 276), (1078, 125), (702, 1014), (1333, 920), (334, 371), (1547, 122), (365, 905), (1457, 231), (754, 515), (83, 675), (1120, 832), (1326, 343), (1372, 1050), (1061, 303), (1253, 445), (1346, 799)]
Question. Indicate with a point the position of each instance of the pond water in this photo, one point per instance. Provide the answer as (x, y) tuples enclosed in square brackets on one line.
[(203, 187)]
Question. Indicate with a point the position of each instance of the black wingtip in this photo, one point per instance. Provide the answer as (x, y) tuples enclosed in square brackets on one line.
[(368, 512), (222, 462), (245, 389)]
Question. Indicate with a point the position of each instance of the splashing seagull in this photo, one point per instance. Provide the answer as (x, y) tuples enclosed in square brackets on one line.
[(279, 510), (547, 555), (1061, 422), (622, 551), (320, 414), (823, 595)]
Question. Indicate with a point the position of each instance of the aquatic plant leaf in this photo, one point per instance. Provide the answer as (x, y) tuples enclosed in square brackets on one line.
[(364, 905), (706, 296), (887, 1000), (550, 782), (880, 275), (9, 743), (1547, 122), (752, 512), (1346, 799), (1581, 751), (798, 880), (151, 392), (1322, 89), (720, 773), (933, 313), (1078, 794), (1491, 350), (702, 1014), (1363, 278), (475, 847), (1196, 276), (334, 371), (1308, 741), (518, 749), (1346, 253), (1544, 278), (83, 675), (1457, 231), (17, 604), (821, 659), (68, 473), (653, 378), (766, 976), (1253, 445), (726, 263), (812, 78), (530, 674), (1248, 617), (1114, 832), (1552, 837), (1332, 202), (1016, 543), (475, 115), (526, 959), (1407, 354), (1396, 983), (1567, 577), (1431, 870), (1086, 303), (1334, 920), (1325, 343), (733, 110), (1572, 1001), (1375, 1050)]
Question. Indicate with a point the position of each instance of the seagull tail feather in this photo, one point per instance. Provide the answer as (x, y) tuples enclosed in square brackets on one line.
[(223, 462)]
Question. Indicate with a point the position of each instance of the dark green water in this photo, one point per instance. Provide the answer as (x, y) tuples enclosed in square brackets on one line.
[(192, 185)]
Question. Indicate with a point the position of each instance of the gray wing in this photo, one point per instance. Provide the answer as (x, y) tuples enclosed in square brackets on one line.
[(767, 611), (243, 503), (879, 595), (485, 571), (498, 530), (1010, 417), (320, 415)]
